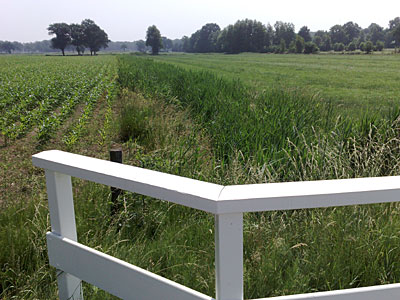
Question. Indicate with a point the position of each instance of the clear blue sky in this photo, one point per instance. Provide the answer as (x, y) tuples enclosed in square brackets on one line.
[(123, 20)]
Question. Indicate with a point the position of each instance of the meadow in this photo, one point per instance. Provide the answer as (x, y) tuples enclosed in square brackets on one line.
[(182, 115), (353, 83)]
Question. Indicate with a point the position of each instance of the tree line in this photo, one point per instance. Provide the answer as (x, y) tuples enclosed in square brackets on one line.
[(253, 36), (81, 36), (243, 36)]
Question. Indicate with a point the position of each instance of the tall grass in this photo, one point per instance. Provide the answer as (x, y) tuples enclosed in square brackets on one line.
[(275, 128), (257, 125)]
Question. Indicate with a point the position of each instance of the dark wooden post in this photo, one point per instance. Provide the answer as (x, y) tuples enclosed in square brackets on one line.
[(115, 156)]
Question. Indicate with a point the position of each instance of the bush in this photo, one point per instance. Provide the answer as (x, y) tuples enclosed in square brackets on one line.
[(310, 48), (338, 47), (379, 46), (368, 47), (352, 46), (299, 44), (282, 46), (362, 46), (292, 47)]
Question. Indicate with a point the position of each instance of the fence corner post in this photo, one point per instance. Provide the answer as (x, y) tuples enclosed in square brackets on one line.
[(115, 156), (62, 219), (229, 256)]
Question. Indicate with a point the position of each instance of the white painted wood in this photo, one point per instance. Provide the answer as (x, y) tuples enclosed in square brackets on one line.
[(308, 194), (229, 256), (227, 203), (217, 199), (380, 292), (62, 219), (185, 191), (113, 275)]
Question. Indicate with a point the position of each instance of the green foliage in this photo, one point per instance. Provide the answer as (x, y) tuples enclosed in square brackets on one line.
[(133, 124), (396, 34), (205, 39), (40, 93), (299, 44), (351, 90), (368, 47), (352, 46), (310, 48), (304, 32), (7, 47), (379, 46), (375, 33), (284, 31), (78, 37), (63, 35), (87, 34), (95, 38), (244, 36), (338, 47), (282, 46), (258, 126), (141, 45), (153, 39)]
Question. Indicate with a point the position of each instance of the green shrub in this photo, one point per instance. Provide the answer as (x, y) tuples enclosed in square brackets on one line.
[(310, 48), (338, 47)]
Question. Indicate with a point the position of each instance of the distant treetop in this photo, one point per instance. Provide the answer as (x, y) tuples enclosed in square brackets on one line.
[(85, 35)]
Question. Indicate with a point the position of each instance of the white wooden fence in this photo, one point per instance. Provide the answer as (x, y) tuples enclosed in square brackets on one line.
[(76, 262)]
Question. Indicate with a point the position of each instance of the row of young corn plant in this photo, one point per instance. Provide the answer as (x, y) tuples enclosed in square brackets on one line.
[(88, 96), (42, 92), (107, 86)]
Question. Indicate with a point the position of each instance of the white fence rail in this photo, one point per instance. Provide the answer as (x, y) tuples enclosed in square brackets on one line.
[(76, 262)]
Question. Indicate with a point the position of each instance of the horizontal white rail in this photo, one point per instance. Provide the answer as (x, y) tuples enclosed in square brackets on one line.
[(228, 203), (381, 292), (218, 199), (185, 191), (102, 270)]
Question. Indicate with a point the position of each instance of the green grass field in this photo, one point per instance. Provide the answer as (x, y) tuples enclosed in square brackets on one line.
[(354, 83)]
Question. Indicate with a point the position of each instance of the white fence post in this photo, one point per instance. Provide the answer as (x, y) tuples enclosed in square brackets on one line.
[(62, 218), (229, 256)]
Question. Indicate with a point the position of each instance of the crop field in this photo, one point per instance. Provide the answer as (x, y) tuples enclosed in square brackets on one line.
[(353, 83), (39, 94), (219, 118)]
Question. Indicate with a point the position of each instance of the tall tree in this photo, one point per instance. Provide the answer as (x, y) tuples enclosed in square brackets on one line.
[(167, 43), (124, 47), (352, 31), (63, 36), (141, 45), (95, 37), (7, 46), (375, 33), (394, 23), (284, 31), (396, 35), (153, 39), (304, 32), (299, 44), (337, 34), (78, 37), (207, 36)]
